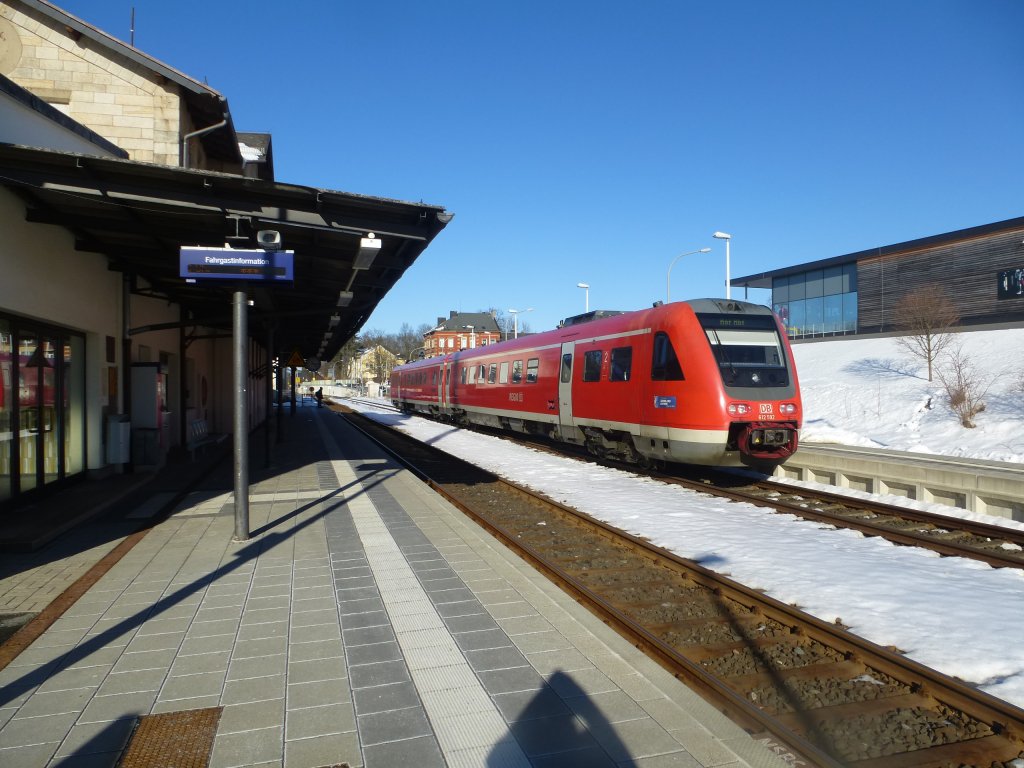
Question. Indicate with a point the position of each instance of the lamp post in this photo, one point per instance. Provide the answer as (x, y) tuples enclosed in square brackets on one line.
[(472, 337), (668, 278), (727, 238), (586, 298), (515, 320)]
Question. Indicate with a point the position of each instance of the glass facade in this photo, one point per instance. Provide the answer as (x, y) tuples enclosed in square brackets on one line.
[(42, 406), (817, 302)]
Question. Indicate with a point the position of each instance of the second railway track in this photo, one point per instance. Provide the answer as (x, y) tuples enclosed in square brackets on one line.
[(830, 697), (998, 546)]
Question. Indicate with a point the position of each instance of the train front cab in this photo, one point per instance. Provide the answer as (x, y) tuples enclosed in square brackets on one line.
[(723, 390)]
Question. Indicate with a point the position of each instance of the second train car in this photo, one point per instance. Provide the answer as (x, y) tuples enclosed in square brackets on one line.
[(706, 381)]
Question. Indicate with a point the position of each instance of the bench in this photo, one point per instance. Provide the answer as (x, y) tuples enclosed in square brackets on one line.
[(199, 436)]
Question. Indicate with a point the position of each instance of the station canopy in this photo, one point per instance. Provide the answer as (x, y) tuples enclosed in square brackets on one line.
[(139, 215)]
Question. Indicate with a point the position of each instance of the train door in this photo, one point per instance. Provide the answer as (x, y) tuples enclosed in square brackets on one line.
[(565, 385), (446, 376), (440, 385)]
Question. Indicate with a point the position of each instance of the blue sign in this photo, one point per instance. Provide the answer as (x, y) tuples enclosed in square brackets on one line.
[(236, 264), (664, 401)]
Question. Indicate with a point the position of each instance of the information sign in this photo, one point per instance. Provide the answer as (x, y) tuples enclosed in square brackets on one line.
[(236, 264)]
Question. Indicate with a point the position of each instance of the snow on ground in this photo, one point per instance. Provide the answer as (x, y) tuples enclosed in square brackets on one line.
[(952, 614), (871, 392)]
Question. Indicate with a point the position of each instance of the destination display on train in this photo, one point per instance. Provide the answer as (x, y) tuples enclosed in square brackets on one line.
[(197, 263)]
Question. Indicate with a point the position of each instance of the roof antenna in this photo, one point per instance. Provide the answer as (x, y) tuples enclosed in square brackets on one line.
[(132, 31)]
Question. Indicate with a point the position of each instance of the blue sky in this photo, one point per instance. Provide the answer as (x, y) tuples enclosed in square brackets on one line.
[(596, 141)]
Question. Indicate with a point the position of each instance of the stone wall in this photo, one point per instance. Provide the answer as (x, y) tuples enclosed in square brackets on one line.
[(114, 96)]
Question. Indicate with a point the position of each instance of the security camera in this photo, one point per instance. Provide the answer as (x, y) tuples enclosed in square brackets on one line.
[(269, 239)]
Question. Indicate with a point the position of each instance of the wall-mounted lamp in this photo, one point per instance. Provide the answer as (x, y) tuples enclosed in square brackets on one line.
[(369, 247), (345, 298)]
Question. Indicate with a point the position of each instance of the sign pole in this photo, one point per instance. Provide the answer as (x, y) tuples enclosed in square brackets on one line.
[(241, 427)]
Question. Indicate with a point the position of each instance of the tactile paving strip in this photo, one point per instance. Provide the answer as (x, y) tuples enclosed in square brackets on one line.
[(173, 740)]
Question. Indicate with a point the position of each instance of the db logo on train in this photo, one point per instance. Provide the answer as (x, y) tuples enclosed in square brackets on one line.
[(766, 409)]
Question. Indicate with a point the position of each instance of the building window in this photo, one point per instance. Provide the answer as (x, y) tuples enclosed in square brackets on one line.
[(817, 302)]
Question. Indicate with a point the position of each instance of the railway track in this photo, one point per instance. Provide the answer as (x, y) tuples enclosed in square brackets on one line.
[(808, 688), (999, 546)]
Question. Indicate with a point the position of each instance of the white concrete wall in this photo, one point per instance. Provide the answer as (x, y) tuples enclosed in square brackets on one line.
[(45, 278)]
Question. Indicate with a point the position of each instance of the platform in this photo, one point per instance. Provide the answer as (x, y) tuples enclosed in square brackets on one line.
[(366, 622)]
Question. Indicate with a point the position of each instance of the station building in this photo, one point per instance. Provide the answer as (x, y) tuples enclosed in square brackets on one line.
[(980, 269), (110, 163)]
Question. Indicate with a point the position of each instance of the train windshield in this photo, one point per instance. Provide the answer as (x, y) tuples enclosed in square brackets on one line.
[(748, 350)]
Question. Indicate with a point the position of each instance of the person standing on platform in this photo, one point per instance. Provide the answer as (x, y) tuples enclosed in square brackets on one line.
[(320, 398)]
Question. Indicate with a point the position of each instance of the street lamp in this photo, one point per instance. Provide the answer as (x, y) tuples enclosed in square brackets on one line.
[(515, 320), (727, 238), (586, 288), (472, 337), (668, 278)]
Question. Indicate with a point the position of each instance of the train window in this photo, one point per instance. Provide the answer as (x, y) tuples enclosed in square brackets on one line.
[(463, 374), (517, 371), (664, 363), (592, 365), (483, 373), (532, 365), (433, 377), (503, 373), (492, 373), (622, 364), (566, 374)]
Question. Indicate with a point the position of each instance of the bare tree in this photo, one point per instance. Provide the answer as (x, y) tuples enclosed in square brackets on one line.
[(407, 341), (965, 389), (927, 316)]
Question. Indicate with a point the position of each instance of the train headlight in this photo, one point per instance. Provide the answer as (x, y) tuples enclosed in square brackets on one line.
[(738, 409), (787, 408)]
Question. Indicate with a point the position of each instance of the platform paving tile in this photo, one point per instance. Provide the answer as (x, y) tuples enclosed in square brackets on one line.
[(246, 748), (28, 756), (323, 720), (97, 739), (256, 715), (326, 750), (37, 729), (422, 752), (261, 631)]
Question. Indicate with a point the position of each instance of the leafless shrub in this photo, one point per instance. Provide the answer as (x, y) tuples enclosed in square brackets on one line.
[(964, 386), (927, 317)]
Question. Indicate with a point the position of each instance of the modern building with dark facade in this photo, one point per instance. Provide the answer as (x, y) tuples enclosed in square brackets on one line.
[(981, 269)]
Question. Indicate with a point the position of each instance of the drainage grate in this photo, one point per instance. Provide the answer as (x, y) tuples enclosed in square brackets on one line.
[(173, 740)]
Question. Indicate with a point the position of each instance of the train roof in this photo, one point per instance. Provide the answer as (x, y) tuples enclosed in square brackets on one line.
[(586, 317)]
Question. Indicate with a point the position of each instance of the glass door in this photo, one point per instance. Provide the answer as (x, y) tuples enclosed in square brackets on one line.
[(8, 393), (30, 399)]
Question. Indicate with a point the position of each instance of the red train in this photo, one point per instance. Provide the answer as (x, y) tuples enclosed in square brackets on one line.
[(708, 381)]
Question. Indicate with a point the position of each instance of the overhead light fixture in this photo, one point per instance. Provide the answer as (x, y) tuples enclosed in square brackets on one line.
[(328, 335), (369, 247), (345, 298), (333, 322)]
